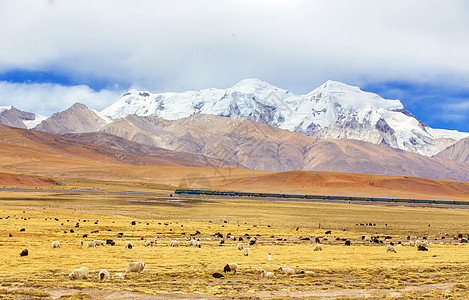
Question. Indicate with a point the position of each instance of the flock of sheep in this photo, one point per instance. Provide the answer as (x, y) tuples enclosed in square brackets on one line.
[(192, 241), (103, 275)]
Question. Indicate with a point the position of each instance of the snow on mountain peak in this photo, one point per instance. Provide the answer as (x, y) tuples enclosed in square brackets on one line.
[(253, 84), (333, 110), (353, 96), (3, 108)]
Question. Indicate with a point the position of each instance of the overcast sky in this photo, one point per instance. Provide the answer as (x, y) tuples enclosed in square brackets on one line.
[(54, 53)]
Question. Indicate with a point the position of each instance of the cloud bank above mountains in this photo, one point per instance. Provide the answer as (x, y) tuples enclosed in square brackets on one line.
[(92, 51)]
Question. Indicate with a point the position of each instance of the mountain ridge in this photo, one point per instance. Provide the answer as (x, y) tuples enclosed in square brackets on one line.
[(333, 110), (264, 147)]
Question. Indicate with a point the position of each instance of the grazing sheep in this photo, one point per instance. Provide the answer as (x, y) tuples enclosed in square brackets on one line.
[(91, 244), (421, 243), (24, 252), (318, 247), (148, 243), (81, 242), (104, 275), (252, 241), (174, 243), (81, 273), (217, 275), (287, 271), (190, 243), (240, 246), (98, 243), (347, 243), (246, 251), (265, 274), (135, 267), (118, 276), (196, 243), (422, 248), (390, 248), (230, 267), (55, 244), (128, 245)]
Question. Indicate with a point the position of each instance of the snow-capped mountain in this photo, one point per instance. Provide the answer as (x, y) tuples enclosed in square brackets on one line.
[(11, 116), (333, 110)]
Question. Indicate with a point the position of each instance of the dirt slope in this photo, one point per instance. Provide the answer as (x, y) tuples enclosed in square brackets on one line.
[(457, 152), (8, 179)]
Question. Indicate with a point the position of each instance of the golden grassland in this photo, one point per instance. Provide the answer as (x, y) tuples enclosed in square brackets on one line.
[(360, 270)]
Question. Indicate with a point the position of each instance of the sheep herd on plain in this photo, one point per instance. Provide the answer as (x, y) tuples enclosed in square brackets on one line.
[(192, 241)]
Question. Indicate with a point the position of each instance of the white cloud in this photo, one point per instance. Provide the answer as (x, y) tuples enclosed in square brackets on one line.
[(179, 45), (47, 98), (459, 107)]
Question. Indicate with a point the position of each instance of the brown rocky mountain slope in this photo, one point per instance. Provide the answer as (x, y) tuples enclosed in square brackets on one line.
[(22, 147), (31, 152), (264, 147), (77, 118), (457, 152), (110, 141), (15, 117)]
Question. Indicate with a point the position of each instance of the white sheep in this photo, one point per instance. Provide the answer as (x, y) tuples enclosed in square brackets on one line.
[(196, 243), (148, 243), (55, 244), (287, 271), (240, 246), (81, 273), (91, 244), (318, 247), (98, 243), (390, 248), (230, 267), (265, 274), (246, 251), (128, 245), (421, 243), (118, 276), (190, 243), (104, 275), (135, 267), (174, 243)]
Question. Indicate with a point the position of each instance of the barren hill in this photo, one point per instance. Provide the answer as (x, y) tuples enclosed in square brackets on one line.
[(348, 184), (110, 141), (77, 118), (30, 152), (263, 147), (21, 148), (457, 152)]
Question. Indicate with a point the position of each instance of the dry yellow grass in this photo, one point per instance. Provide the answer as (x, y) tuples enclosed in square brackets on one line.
[(354, 271)]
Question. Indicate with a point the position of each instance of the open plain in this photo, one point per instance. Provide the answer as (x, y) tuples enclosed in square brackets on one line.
[(286, 230)]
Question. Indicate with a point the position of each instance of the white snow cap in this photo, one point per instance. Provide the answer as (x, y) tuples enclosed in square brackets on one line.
[(332, 103), (3, 108)]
